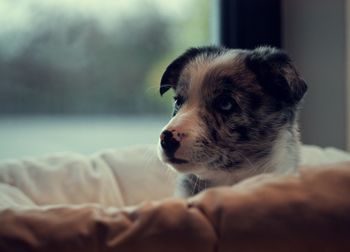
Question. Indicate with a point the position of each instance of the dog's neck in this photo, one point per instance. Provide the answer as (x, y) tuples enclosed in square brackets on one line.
[(284, 159)]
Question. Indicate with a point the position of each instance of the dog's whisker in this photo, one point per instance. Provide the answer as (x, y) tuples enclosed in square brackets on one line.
[(247, 159), (194, 187)]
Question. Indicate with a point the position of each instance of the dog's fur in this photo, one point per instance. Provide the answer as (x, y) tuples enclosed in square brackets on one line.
[(235, 115)]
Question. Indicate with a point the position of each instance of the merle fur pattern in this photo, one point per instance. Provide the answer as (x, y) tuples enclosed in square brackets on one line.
[(248, 139)]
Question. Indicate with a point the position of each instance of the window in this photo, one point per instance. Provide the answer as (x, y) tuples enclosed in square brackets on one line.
[(84, 75)]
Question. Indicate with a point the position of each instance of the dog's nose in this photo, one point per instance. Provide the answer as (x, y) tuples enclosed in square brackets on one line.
[(168, 142)]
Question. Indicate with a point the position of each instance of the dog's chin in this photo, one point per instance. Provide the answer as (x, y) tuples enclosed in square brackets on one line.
[(179, 164), (182, 168)]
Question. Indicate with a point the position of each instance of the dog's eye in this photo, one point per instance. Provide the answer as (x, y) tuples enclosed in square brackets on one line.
[(178, 101), (225, 104)]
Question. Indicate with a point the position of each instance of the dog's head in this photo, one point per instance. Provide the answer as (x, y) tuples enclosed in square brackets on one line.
[(230, 107)]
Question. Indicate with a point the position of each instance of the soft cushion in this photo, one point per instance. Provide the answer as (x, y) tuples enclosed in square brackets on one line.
[(109, 178), (115, 201)]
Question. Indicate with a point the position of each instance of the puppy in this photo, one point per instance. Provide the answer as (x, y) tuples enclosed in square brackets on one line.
[(235, 116)]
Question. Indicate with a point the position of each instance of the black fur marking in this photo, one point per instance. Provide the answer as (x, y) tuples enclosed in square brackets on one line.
[(227, 81), (269, 64), (243, 133), (214, 134), (204, 142), (253, 123), (275, 106), (255, 101), (263, 153), (263, 132), (171, 75), (232, 165)]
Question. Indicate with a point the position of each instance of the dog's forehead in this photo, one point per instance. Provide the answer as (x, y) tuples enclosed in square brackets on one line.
[(204, 72)]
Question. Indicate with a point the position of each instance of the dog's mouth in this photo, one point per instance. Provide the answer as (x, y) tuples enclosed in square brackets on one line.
[(177, 160)]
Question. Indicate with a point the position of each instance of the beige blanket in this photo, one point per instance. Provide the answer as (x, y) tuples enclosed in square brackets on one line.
[(70, 202)]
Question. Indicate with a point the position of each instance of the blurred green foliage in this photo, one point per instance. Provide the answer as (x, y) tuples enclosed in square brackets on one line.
[(71, 64)]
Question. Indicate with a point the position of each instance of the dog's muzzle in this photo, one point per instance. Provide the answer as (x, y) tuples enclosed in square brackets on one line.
[(170, 145)]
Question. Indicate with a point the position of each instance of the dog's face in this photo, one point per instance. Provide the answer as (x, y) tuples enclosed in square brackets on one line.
[(230, 108)]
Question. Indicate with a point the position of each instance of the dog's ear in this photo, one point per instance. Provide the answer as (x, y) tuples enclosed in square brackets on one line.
[(276, 74), (172, 73)]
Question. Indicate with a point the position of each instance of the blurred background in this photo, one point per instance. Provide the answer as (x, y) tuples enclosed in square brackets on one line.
[(84, 75)]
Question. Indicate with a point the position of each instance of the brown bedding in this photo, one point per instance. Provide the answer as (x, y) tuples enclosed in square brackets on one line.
[(310, 212)]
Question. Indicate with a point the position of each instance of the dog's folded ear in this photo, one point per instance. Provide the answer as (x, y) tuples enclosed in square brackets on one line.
[(276, 74), (172, 73)]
